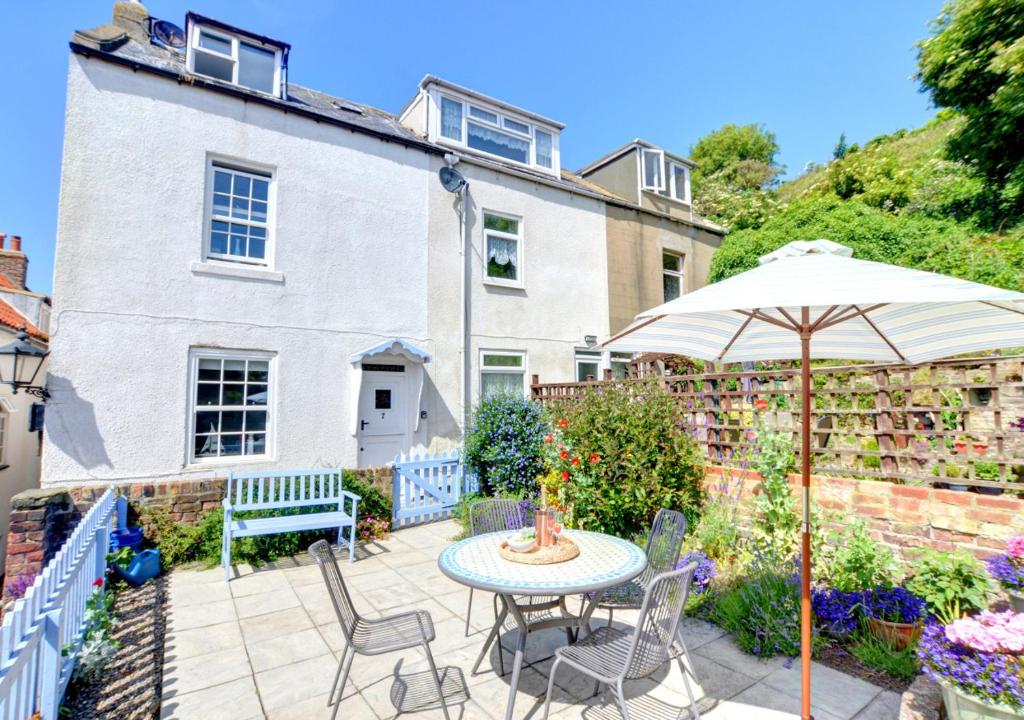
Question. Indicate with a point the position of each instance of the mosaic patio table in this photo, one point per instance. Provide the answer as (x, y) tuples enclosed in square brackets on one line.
[(604, 561)]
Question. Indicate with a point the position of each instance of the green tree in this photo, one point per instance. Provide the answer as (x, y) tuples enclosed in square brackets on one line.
[(974, 63), (841, 148)]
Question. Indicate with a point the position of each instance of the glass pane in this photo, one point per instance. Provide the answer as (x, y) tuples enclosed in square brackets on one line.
[(206, 446), (258, 370), (679, 180), (259, 211), (502, 224), (498, 143), (208, 394), (503, 360), (255, 394), (213, 66), (221, 204), (214, 42), (671, 285), (209, 369), (502, 258), (257, 249), (495, 383), (256, 68), (256, 420), (219, 226), (231, 421), (483, 114), (620, 370), (382, 399), (221, 181), (260, 189), (451, 119), (585, 370), (207, 421), (233, 395), (242, 184), (240, 208), (234, 370), (230, 444), (652, 169), (544, 158), (238, 245), (516, 126), (671, 262), (256, 444)]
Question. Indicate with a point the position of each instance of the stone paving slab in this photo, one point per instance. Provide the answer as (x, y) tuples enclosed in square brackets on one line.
[(267, 645)]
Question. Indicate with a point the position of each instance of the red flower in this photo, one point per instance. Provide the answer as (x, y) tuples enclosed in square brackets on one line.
[(97, 583), (576, 461), (563, 423), (565, 474), (548, 439), (564, 454), (761, 404), (595, 458)]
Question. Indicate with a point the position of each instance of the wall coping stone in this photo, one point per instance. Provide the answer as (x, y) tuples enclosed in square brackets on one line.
[(35, 498)]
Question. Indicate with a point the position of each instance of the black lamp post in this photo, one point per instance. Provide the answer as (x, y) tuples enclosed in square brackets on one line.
[(19, 364)]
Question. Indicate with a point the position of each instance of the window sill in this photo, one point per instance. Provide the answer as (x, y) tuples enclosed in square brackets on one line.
[(506, 285), (228, 460), (236, 271)]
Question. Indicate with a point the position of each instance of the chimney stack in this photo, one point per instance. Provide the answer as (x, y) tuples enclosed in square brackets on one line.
[(13, 262), (133, 18)]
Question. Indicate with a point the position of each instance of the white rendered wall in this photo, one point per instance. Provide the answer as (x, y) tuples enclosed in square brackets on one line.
[(20, 468), (351, 229)]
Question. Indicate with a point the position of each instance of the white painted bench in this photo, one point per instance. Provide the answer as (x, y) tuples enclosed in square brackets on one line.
[(284, 490)]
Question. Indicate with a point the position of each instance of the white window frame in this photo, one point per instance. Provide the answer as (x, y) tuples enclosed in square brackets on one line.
[(620, 358), (500, 125), (644, 151), (520, 281), (250, 170), (679, 272), (195, 354), (501, 369), (588, 357), (673, 189), (195, 29)]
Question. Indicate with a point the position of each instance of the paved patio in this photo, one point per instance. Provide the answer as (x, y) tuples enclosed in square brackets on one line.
[(267, 646)]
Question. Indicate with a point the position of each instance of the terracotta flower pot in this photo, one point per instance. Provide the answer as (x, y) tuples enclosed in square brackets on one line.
[(960, 446), (900, 635), (961, 706), (761, 404), (980, 448)]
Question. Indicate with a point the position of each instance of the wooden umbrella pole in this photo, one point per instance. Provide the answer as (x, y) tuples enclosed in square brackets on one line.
[(805, 565)]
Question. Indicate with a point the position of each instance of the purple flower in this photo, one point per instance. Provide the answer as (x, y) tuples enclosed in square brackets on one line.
[(893, 605), (705, 572), (994, 676), (1008, 570), (837, 613)]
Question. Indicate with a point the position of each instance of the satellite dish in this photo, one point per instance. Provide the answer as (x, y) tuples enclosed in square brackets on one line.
[(451, 179), (168, 34)]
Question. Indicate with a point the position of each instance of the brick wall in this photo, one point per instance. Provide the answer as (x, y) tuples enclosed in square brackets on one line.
[(904, 517), (40, 521)]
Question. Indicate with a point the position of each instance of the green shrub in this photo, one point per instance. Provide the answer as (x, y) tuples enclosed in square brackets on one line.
[(776, 522), (951, 584), (858, 562), (505, 443), (647, 461), (372, 501), (717, 532), (763, 609)]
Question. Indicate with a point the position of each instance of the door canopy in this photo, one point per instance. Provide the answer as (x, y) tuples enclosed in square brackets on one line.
[(391, 348)]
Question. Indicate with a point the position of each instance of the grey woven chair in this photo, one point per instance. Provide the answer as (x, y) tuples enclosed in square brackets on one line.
[(370, 637), (664, 545), (611, 656)]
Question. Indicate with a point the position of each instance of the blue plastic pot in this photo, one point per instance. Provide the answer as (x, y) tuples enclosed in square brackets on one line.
[(126, 537), (144, 566)]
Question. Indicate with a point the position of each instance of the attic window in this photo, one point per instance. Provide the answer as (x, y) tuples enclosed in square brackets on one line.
[(653, 164), (235, 59)]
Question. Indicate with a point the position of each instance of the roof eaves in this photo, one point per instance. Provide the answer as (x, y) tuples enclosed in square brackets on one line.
[(429, 80), (191, 17)]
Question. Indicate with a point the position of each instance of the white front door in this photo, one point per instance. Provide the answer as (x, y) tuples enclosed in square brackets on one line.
[(383, 430)]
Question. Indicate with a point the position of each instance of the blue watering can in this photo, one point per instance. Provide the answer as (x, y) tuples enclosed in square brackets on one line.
[(144, 566)]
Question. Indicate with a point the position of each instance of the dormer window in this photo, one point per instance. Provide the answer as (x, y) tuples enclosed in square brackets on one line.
[(663, 175), (495, 132), (250, 62), (653, 163)]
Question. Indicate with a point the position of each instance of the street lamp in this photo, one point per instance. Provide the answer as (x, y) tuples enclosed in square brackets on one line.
[(19, 364)]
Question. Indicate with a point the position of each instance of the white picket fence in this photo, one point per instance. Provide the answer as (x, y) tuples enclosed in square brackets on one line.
[(426, 487), (41, 636)]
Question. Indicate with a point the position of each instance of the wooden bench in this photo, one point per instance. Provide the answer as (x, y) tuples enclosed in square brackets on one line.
[(284, 490)]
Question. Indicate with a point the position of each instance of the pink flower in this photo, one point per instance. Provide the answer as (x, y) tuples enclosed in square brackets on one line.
[(989, 632), (1016, 546)]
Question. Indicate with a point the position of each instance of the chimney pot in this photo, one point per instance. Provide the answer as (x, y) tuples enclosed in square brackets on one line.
[(3, 237), (16, 243)]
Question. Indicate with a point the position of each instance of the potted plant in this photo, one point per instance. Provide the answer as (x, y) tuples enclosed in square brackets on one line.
[(894, 614), (1008, 570), (980, 447), (977, 662), (960, 445)]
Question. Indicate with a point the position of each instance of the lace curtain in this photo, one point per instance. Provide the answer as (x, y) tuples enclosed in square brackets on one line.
[(501, 250)]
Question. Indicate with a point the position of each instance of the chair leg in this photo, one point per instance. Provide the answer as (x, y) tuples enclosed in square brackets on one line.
[(620, 700), (551, 687), (437, 681), (346, 666), (334, 685), (352, 541), (469, 610), (226, 555), (694, 713), (611, 613)]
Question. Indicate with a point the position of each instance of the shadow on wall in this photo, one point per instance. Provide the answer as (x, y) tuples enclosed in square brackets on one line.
[(442, 422), (71, 425)]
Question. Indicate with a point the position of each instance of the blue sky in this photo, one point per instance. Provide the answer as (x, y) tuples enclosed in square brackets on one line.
[(668, 72)]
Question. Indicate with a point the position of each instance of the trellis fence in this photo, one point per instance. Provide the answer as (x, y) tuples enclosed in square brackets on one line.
[(42, 635), (427, 486), (947, 423)]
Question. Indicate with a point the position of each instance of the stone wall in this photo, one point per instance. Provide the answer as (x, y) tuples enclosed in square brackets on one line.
[(40, 521), (905, 517)]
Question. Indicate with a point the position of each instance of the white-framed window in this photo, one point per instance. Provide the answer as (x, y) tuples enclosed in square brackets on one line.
[(652, 168), (231, 401), (234, 59), (502, 371), (588, 365), (679, 182), (239, 203), (492, 131), (503, 249), (672, 275), (619, 363)]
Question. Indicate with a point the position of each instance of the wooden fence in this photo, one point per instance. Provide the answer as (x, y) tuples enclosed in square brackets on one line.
[(947, 423), (42, 635), (426, 487)]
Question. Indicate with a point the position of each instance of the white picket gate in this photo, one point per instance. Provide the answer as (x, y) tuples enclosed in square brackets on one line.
[(41, 636), (426, 487)]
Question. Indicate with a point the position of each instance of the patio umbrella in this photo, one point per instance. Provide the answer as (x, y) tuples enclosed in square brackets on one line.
[(811, 299)]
